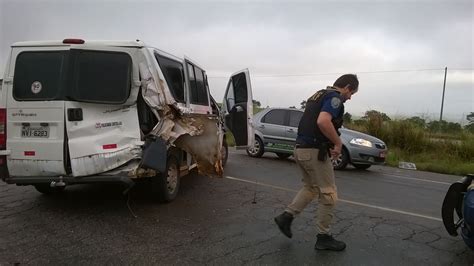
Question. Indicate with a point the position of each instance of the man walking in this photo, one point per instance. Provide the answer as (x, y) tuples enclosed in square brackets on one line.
[(317, 136)]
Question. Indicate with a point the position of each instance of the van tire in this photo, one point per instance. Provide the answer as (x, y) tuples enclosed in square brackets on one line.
[(224, 152), (47, 189), (165, 186)]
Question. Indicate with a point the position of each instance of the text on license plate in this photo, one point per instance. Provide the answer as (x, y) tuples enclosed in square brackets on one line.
[(34, 132)]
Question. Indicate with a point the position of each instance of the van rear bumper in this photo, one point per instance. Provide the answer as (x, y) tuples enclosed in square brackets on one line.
[(68, 180)]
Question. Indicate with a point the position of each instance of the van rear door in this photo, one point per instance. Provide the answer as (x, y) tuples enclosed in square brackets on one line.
[(101, 116), (35, 111), (238, 109)]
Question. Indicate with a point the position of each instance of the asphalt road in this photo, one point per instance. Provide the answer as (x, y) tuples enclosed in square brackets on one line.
[(387, 216)]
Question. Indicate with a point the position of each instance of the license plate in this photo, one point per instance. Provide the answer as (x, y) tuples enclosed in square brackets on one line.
[(34, 132)]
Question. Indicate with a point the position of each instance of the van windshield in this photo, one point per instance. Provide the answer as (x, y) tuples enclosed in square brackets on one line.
[(79, 75)]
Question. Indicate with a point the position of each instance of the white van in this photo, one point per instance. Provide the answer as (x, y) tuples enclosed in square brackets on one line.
[(75, 112)]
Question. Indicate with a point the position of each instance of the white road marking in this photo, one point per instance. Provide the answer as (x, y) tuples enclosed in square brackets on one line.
[(417, 179), (341, 200), (402, 177)]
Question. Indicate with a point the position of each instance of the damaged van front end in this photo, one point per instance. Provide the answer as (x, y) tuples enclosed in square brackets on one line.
[(103, 111)]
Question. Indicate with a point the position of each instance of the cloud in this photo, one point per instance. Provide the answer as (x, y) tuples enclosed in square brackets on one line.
[(276, 39)]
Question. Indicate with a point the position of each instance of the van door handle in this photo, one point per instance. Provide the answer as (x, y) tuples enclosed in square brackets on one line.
[(74, 114), (290, 130)]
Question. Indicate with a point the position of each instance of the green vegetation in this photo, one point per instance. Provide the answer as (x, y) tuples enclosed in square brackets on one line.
[(441, 147)]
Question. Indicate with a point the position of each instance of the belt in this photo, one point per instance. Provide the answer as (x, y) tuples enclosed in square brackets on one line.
[(306, 146)]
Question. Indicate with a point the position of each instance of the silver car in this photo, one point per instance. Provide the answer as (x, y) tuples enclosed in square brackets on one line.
[(276, 130)]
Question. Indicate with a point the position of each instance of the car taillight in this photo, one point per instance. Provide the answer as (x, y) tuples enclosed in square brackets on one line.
[(3, 128)]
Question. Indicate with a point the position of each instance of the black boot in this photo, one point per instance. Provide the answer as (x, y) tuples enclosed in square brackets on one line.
[(284, 223), (327, 242)]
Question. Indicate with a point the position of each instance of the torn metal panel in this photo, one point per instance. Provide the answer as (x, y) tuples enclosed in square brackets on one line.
[(28, 167), (128, 169), (98, 163), (108, 137), (205, 146), (200, 136)]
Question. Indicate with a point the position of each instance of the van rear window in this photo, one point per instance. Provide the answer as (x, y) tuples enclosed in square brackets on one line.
[(77, 75), (38, 75), (101, 77)]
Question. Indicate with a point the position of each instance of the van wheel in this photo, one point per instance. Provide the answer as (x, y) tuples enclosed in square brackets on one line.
[(224, 152), (47, 189), (283, 155), (257, 150), (165, 186)]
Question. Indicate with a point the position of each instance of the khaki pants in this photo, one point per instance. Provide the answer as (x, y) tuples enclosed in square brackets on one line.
[(319, 182)]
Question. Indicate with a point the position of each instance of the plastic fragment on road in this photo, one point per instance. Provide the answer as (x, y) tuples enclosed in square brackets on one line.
[(407, 165)]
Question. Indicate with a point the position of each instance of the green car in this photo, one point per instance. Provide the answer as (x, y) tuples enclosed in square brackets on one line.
[(276, 130)]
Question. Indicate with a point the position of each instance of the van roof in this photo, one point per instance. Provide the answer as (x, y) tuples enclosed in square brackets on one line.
[(127, 43)]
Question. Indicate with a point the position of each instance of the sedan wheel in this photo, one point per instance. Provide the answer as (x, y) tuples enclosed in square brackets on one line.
[(361, 166), (257, 149), (283, 155), (341, 161)]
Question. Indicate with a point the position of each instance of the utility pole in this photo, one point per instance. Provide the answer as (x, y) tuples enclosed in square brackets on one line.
[(442, 99)]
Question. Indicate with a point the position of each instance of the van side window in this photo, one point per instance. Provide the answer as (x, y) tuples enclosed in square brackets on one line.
[(240, 88), (101, 77), (38, 75), (174, 75), (198, 88), (276, 117)]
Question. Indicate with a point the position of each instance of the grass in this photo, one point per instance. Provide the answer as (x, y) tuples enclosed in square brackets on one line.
[(430, 161), (438, 152), (229, 139)]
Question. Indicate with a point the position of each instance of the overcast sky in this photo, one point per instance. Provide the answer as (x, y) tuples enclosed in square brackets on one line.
[(292, 48)]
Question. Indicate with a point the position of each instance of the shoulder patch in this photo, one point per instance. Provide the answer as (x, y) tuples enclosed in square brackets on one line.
[(335, 102)]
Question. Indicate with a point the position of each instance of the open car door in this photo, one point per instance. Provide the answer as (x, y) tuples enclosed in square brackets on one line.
[(238, 109)]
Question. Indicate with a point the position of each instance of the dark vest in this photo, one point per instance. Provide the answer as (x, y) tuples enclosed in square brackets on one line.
[(308, 130)]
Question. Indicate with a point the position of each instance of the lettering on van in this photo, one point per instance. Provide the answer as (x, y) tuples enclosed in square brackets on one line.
[(21, 114), (109, 124), (123, 109)]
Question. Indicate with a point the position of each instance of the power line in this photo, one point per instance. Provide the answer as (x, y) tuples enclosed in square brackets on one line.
[(339, 73)]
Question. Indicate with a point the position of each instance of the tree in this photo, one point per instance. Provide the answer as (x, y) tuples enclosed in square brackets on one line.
[(444, 126), (347, 118), (470, 118), (256, 103), (416, 120), (292, 107), (373, 114), (303, 104), (469, 127)]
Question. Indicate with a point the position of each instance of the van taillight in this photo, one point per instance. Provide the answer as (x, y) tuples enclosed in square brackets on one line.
[(73, 41), (3, 142), (3, 128)]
